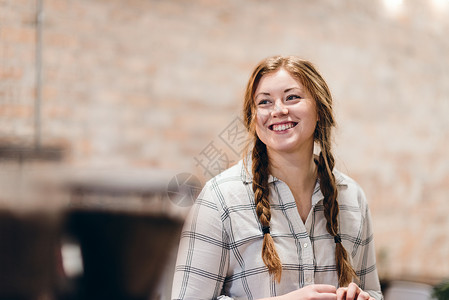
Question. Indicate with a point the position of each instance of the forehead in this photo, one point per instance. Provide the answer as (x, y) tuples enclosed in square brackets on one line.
[(277, 80)]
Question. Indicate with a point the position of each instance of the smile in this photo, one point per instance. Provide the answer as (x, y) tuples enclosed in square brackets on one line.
[(282, 127)]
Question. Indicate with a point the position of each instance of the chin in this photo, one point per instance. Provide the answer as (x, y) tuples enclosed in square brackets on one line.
[(282, 148), (289, 147)]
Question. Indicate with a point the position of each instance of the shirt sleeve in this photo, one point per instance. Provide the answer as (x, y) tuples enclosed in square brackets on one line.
[(203, 254), (365, 259)]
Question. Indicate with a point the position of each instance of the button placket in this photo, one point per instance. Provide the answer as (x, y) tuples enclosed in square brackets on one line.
[(307, 261), (306, 258)]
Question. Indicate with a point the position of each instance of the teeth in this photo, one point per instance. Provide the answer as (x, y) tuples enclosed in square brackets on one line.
[(282, 127)]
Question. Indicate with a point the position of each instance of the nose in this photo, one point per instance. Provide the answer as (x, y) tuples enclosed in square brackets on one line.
[(279, 109)]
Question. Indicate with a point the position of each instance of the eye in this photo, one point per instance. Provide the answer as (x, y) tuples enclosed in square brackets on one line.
[(293, 97), (264, 101)]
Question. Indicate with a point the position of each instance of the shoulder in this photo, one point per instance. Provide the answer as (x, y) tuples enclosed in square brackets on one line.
[(229, 186), (350, 193), (233, 176), (234, 173)]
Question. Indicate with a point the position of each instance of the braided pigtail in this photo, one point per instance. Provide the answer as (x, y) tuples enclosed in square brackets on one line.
[(329, 189), (261, 194)]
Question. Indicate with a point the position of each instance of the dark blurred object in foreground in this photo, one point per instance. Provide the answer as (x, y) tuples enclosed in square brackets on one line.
[(125, 227), (123, 254), (29, 245), (80, 234)]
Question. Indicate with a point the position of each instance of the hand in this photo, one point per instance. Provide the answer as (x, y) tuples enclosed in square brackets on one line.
[(315, 291), (352, 292)]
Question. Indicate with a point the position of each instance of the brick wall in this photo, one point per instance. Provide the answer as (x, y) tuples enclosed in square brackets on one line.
[(156, 84)]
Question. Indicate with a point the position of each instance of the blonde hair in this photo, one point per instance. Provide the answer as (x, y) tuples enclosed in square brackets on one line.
[(310, 78)]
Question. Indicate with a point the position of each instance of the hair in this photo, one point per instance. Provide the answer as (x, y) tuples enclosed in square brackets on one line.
[(311, 79)]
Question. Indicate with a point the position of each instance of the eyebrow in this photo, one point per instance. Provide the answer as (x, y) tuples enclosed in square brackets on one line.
[(293, 88), (285, 91)]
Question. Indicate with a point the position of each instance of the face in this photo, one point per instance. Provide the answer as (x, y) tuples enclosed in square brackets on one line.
[(286, 114)]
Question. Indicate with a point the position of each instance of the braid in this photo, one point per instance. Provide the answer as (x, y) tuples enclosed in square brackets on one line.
[(261, 194), (329, 189)]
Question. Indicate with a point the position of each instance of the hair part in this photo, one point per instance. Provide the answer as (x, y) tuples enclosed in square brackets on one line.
[(311, 79)]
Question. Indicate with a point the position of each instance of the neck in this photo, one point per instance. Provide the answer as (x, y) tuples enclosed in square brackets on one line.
[(298, 170)]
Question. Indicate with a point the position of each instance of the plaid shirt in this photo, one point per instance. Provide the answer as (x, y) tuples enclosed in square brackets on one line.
[(221, 244)]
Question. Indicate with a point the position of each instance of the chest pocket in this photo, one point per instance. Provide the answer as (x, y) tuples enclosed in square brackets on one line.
[(245, 240), (350, 226)]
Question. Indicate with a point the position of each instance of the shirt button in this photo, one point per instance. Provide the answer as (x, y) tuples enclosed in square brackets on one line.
[(308, 279), (305, 245)]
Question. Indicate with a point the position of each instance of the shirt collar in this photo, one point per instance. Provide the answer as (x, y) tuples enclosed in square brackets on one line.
[(247, 174), (247, 177)]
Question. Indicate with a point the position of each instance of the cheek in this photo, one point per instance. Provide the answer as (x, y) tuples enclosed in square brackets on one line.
[(261, 119), (313, 118), (259, 127), (308, 114), (312, 123)]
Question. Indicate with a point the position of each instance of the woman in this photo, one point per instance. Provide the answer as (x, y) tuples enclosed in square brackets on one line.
[(282, 223)]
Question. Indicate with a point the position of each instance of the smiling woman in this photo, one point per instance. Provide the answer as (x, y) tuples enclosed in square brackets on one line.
[(285, 112), (282, 223)]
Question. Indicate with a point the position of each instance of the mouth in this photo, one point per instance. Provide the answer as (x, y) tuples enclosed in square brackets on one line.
[(282, 127)]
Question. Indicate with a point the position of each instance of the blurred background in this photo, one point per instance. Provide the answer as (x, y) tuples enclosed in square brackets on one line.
[(121, 96)]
